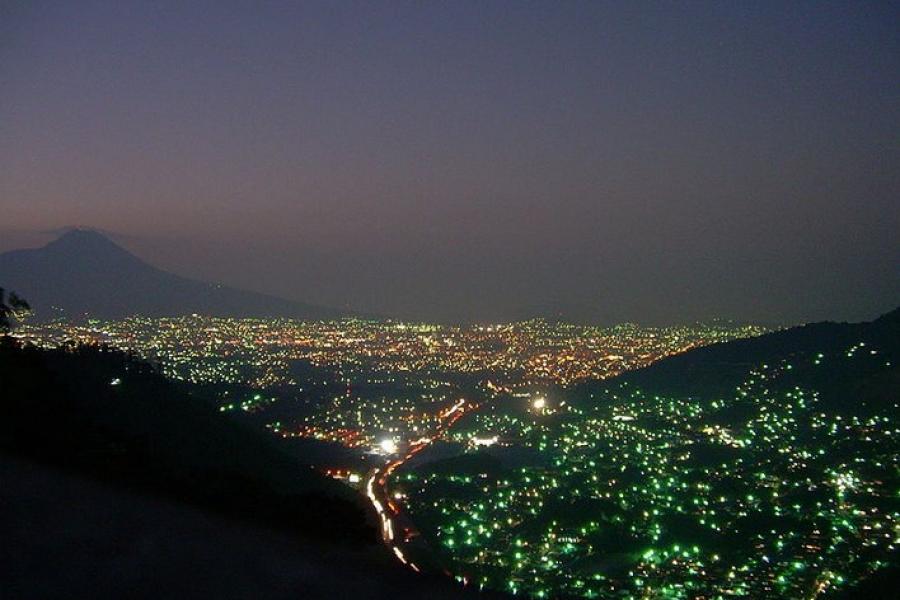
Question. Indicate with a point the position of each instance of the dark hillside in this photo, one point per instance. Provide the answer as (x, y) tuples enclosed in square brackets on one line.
[(715, 370), (66, 536), (100, 412)]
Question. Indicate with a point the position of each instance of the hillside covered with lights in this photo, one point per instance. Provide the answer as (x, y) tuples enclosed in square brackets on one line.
[(763, 467)]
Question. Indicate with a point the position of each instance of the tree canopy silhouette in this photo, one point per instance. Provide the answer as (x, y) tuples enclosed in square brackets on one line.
[(11, 307)]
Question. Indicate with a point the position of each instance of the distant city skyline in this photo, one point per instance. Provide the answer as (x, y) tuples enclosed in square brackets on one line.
[(655, 163)]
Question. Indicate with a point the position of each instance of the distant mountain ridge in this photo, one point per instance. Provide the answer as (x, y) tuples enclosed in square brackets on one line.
[(85, 273)]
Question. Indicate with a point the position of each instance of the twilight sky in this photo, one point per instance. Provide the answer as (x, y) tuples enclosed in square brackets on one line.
[(602, 161)]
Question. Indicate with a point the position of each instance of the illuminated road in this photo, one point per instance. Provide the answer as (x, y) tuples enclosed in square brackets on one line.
[(397, 530)]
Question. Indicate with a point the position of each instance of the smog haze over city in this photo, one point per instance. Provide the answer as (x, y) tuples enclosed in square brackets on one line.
[(450, 300)]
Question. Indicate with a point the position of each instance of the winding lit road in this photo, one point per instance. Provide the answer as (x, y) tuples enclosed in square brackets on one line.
[(397, 530)]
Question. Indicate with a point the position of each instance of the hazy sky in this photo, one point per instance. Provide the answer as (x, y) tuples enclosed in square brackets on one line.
[(489, 160)]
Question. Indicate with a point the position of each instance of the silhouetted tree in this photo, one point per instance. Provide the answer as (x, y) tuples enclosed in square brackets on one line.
[(11, 307)]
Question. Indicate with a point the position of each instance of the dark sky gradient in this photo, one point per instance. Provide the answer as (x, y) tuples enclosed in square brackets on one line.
[(486, 161)]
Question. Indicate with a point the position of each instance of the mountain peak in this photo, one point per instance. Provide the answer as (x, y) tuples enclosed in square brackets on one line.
[(78, 237), (85, 272), (90, 246)]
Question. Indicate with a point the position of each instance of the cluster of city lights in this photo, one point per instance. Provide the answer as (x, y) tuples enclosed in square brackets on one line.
[(769, 491), (551, 481), (259, 352)]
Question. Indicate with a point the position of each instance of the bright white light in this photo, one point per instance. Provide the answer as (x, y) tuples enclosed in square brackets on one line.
[(388, 446), (539, 403), (477, 441)]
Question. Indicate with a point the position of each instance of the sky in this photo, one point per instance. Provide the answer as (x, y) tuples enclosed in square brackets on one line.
[(471, 161)]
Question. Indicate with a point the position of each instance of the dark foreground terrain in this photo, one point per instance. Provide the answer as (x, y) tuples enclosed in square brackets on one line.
[(65, 536), (118, 483)]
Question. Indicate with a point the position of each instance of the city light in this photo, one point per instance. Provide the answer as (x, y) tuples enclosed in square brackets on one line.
[(388, 446), (610, 490), (484, 441)]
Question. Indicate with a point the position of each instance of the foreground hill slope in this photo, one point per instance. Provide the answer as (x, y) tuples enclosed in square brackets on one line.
[(120, 483), (83, 272), (65, 536), (99, 412)]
